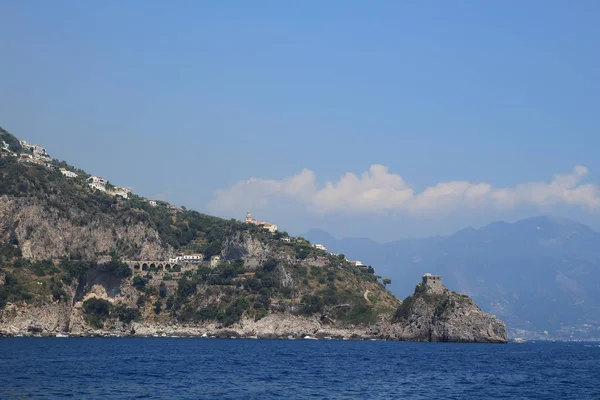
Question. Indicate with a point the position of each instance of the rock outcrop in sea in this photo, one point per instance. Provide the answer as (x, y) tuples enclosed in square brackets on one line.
[(435, 314)]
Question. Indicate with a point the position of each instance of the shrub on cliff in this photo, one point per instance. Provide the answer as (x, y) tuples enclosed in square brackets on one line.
[(157, 307), (312, 304), (186, 288), (96, 311), (12, 290), (361, 314), (43, 267), (58, 293), (234, 311), (8, 252), (162, 290), (116, 267), (139, 283), (125, 314), (404, 310), (75, 269), (141, 300)]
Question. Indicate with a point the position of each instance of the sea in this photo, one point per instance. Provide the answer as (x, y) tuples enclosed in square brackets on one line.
[(186, 368)]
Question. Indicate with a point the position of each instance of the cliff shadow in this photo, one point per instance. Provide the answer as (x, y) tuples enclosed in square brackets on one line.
[(95, 276)]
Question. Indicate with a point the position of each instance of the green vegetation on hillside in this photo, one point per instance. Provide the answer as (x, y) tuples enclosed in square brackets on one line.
[(97, 311), (295, 277), (12, 290), (72, 199), (443, 302), (184, 230)]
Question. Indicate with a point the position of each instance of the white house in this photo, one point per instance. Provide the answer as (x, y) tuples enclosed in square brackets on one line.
[(97, 179), (39, 150), (121, 193), (153, 203), (68, 174), (356, 263), (31, 160), (268, 226), (97, 186), (214, 261), (320, 247), (123, 189), (188, 258), (40, 153)]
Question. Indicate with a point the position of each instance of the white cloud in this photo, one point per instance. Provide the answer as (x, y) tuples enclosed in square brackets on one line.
[(378, 190)]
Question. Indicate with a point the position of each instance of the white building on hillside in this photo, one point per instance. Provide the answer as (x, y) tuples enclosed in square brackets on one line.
[(97, 179), (68, 174), (188, 258), (214, 261), (153, 203), (40, 153), (357, 263), (121, 191), (97, 183), (124, 195), (320, 247), (268, 226), (39, 150), (97, 186)]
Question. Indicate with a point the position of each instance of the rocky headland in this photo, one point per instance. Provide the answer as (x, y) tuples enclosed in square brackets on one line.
[(82, 257)]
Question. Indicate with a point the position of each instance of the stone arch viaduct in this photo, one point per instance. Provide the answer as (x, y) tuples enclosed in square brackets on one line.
[(146, 265)]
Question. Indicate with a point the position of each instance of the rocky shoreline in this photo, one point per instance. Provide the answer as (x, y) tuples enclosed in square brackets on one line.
[(273, 326), (431, 314)]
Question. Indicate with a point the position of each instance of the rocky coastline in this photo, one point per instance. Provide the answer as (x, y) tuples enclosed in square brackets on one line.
[(72, 264), (468, 324)]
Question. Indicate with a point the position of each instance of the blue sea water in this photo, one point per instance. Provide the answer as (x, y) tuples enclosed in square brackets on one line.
[(170, 368)]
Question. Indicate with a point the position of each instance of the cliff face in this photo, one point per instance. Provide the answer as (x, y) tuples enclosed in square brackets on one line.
[(426, 316), (282, 304), (42, 231), (444, 316), (251, 249)]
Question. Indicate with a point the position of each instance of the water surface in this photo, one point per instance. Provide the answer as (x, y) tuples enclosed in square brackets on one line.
[(160, 368)]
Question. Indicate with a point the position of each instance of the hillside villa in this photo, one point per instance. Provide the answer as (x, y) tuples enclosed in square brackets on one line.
[(268, 226), (68, 174), (187, 258)]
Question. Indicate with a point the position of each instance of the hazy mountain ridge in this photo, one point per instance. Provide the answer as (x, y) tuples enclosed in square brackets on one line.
[(538, 274)]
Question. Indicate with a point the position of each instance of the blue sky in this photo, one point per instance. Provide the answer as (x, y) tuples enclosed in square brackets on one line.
[(181, 99)]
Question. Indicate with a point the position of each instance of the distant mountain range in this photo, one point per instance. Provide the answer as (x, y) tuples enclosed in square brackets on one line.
[(538, 274)]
